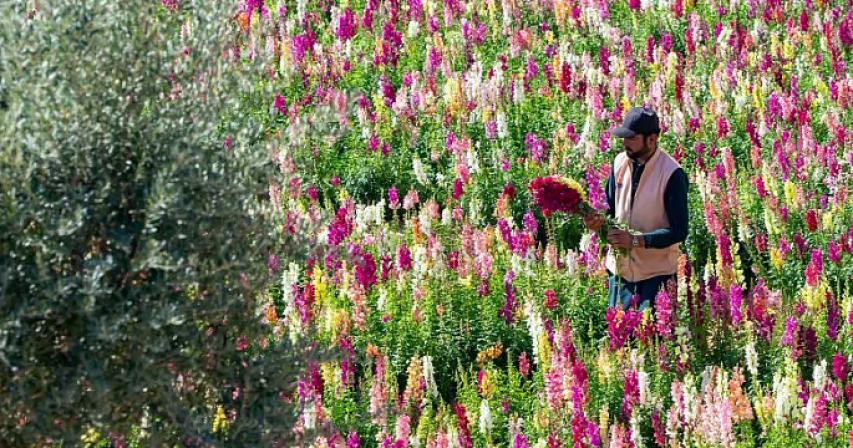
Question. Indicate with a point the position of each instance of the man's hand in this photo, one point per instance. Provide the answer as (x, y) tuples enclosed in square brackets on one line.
[(622, 239), (593, 221)]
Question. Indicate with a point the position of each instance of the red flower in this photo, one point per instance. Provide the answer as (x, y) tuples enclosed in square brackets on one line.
[(557, 194), (550, 299), (811, 220)]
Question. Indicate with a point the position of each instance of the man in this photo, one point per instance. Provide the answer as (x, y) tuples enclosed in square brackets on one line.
[(647, 189)]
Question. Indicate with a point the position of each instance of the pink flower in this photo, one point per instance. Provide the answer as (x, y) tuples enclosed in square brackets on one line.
[(242, 343), (170, 5), (410, 200), (814, 268), (523, 364), (722, 127), (664, 314)]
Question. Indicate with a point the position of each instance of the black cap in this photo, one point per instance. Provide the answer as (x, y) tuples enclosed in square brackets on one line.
[(638, 120)]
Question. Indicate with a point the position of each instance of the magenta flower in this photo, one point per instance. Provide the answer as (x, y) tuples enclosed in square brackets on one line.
[(631, 393), (839, 367), (280, 104), (170, 5), (404, 258), (735, 301), (346, 25), (393, 198), (353, 441), (365, 271), (464, 432), (790, 331)]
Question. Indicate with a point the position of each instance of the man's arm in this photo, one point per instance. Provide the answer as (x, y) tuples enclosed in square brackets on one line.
[(675, 204)]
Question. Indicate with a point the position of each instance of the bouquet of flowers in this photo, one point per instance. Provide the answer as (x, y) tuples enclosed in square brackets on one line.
[(561, 194)]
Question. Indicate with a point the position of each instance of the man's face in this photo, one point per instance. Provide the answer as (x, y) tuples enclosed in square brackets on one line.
[(639, 145)]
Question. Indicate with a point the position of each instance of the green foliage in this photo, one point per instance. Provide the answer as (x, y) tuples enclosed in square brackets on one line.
[(131, 234)]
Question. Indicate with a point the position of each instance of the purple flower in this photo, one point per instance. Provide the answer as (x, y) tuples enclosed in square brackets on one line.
[(833, 317), (530, 223), (273, 264), (535, 147), (735, 301), (597, 197), (509, 297)]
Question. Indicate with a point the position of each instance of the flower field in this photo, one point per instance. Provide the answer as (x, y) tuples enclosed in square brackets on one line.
[(406, 133)]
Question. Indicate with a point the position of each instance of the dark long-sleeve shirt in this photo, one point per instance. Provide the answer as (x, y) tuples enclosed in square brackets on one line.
[(675, 205)]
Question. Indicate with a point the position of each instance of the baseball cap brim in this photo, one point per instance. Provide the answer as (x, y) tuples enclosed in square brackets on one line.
[(623, 132)]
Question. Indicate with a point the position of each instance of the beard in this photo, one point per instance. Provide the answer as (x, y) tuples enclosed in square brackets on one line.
[(636, 156)]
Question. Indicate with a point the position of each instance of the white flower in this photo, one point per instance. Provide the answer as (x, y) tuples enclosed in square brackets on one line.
[(382, 300), (751, 359), (503, 127), (446, 216), (485, 417), (429, 372), (473, 163), (310, 417), (534, 327), (418, 169), (414, 27), (635, 430), (571, 261), (819, 376), (643, 385)]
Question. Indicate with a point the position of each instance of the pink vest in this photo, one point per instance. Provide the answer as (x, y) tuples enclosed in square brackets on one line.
[(647, 214)]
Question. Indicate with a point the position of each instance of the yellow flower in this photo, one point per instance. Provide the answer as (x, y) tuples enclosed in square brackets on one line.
[(544, 351), (827, 220), (790, 193), (487, 386), (776, 258), (219, 421), (574, 185)]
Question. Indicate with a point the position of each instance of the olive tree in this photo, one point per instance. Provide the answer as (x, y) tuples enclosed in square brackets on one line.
[(134, 230)]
